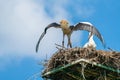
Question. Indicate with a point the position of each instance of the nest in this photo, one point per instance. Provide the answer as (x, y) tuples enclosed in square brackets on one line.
[(66, 56)]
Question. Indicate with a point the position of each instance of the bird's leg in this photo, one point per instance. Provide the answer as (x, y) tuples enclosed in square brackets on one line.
[(69, 42), (63, 39)]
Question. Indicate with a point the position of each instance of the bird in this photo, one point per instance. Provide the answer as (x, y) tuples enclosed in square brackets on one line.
[(91, 42), (68, 30)]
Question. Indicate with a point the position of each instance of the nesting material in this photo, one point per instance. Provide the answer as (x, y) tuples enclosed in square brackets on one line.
[(66, 56)]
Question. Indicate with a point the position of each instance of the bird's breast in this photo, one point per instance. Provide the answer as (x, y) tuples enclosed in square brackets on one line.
[(66, 30)]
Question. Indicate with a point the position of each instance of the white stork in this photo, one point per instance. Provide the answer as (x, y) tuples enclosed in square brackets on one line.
[(91, 42), (68, 29)]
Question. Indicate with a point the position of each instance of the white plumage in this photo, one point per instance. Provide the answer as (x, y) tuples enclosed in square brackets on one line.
[(87, 23), (90, 43)]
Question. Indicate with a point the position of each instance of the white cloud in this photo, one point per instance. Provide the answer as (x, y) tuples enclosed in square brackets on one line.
[(23, 21), (21, 24)]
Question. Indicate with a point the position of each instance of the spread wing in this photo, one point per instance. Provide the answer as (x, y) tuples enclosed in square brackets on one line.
[(56, 25), (90, 28)]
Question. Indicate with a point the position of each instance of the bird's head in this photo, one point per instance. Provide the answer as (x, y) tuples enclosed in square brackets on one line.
[(64, 23)]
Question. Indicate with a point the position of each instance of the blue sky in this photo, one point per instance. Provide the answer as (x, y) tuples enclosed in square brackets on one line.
[(22, 22)]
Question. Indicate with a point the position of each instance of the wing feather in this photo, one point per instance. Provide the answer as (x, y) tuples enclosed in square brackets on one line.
[(56, 25), (90, 28)]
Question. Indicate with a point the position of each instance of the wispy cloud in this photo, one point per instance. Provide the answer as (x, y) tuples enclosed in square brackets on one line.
[(23, 21)]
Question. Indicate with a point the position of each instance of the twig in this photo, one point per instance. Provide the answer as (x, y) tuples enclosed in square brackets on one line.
[(34, 76), (60, 46)]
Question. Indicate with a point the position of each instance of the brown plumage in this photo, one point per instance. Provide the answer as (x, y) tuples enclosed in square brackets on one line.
[(67, 30)]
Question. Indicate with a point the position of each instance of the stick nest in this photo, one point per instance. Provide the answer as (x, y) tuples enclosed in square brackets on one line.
[(66, 56)]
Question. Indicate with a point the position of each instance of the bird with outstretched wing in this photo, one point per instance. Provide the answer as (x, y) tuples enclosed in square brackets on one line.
[(68, 29)]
